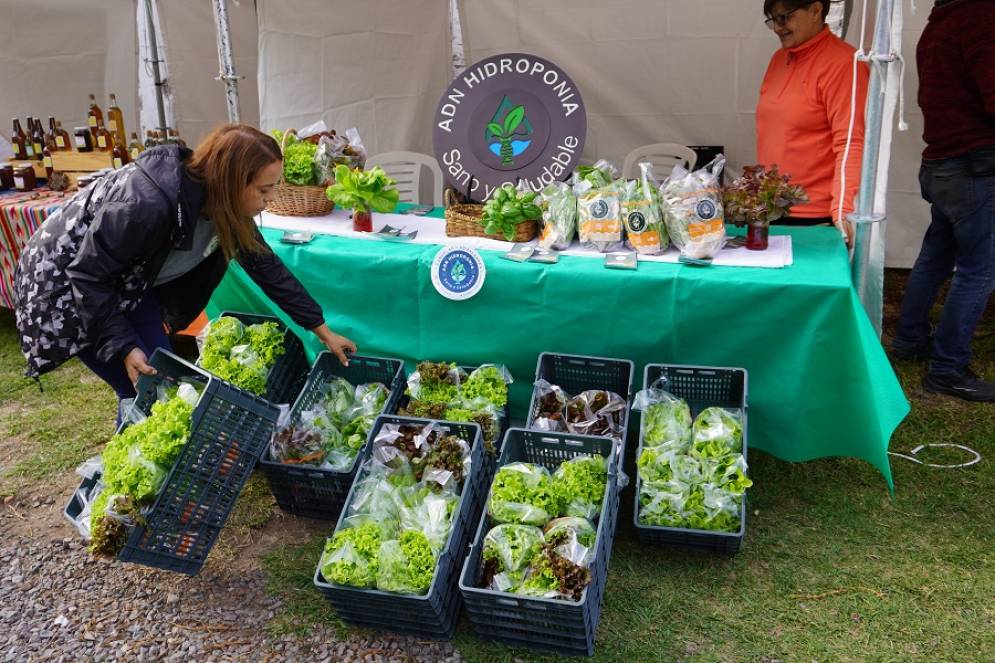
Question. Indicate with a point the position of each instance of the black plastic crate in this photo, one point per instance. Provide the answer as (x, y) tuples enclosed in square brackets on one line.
[(310, 491), (578, 373), (229, 429), (565, 627), (287, 376), (701, 387), (434, 614)]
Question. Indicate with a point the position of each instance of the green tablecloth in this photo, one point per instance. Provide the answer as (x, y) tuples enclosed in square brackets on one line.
[(819, 381)]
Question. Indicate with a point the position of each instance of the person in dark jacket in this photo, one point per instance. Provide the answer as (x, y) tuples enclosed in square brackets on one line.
[(956, 59), (140, 251)]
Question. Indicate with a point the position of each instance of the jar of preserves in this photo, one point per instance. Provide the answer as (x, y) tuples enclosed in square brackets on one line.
[(83, 139), (24, 178)]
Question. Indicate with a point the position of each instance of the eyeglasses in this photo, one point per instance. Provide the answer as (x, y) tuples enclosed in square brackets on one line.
[(780, 19)]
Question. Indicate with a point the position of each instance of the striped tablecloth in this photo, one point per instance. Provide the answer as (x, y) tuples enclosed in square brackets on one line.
[(20, 216)]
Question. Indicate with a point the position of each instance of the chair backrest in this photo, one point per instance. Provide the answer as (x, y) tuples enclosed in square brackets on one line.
[(663, 156), (406, 169)]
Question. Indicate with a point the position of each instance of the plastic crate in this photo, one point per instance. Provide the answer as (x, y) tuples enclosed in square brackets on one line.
[(701, 387), (289, 373), (565, 627), (434, 614), (310, 491), (228, 432), (578, 373)]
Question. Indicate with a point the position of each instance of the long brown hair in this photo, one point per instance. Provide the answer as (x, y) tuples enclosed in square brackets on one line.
[(226, 162)]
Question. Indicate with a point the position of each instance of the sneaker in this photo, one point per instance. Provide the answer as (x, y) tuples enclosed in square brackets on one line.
[(964, 384)]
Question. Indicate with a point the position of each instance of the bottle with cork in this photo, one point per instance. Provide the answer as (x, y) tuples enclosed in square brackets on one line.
[(94, 117), (115, 122)]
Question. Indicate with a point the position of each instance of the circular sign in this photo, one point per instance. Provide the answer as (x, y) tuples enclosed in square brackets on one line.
[(458, 272), (507, 118)]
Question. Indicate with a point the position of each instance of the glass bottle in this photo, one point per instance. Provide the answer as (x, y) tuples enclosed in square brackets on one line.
[(47, 158), (119, 155), (38, 139), (94, 116), (115, 122), (62, 139), (105, 140), (29, 143), (135, 147), (18, 140), (51, 134)]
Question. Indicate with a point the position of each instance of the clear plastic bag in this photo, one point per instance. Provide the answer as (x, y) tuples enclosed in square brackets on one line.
[(579, 486), (489, 382), (559, 216), (522, 493), (595, 412), (574, 538), (551, 408), (717, 432), (435, 382), (338, 400), (666, 418), (509, 548), (599, 211), (692, 210), (406, 565), (645, 231)]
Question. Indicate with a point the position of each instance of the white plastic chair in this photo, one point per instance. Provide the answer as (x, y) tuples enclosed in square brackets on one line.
[(663, 156), (406, 169)]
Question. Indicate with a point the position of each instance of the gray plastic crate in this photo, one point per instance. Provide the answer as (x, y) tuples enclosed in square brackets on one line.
[(229, 429), (565, 627), (578, 373), (434, 614), (311, 491), (701, 387)]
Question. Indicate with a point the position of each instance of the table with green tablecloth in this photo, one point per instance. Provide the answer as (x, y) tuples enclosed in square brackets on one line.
[(820, 383)]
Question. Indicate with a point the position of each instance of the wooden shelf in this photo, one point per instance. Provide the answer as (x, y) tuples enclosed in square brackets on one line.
[(38, 166), (81, 161)]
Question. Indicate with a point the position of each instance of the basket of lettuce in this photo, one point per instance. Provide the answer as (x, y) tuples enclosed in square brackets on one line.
[(301, 192), (692, 459), (257, 353), (169, 477), (311, 461), (536, 570), (392, 563)]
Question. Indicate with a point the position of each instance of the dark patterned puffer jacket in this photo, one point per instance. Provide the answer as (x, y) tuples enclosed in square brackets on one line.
[(94, 259)]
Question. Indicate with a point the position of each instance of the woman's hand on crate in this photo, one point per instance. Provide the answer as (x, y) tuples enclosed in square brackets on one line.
[(136, 363), (341, 346)]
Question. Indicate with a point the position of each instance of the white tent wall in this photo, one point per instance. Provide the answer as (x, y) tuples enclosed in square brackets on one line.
[(190, 38), (54, 53), (377, 65)]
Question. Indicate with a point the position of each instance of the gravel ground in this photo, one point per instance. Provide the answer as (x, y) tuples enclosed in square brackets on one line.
[(59, 604)]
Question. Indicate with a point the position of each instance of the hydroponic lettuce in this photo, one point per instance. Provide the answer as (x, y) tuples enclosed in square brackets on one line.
[(444, 391), (692, 210), (240, 354), (508, 551), (522, 493), (579, 486), (488, 382), (640, 199), (694, 480), (298, 158), (406, 565), (405, 501), (136, 462), (351, 556), (330, 433)]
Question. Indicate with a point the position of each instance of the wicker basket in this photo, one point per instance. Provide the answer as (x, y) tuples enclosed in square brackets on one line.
[(293, 200), (463, 220)]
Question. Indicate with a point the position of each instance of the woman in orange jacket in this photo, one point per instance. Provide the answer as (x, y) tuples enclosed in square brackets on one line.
[(805, 111)]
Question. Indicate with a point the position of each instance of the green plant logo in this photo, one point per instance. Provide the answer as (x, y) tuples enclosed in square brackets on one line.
[(509, 132), (458, 273)]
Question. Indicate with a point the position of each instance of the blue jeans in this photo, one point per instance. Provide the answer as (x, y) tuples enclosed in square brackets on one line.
[(960, 242), (149, 332)]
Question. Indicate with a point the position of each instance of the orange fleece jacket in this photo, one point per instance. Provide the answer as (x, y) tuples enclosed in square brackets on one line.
[(802, 121)]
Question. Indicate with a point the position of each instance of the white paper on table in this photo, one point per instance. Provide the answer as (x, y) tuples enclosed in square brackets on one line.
[(433, 231)]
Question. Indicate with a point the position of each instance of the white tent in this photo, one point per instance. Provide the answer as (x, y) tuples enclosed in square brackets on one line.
[(686, 71)]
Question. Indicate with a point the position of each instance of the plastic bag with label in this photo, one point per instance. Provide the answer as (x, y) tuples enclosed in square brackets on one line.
[(692, 210), (645, 231), (559, 216)]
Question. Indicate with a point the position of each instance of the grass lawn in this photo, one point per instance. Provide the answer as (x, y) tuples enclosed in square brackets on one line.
[(832, 569)]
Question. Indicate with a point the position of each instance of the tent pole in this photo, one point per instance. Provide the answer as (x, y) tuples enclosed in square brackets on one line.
[(864, 217), (456, 32), (156, 74), (225, 59)]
